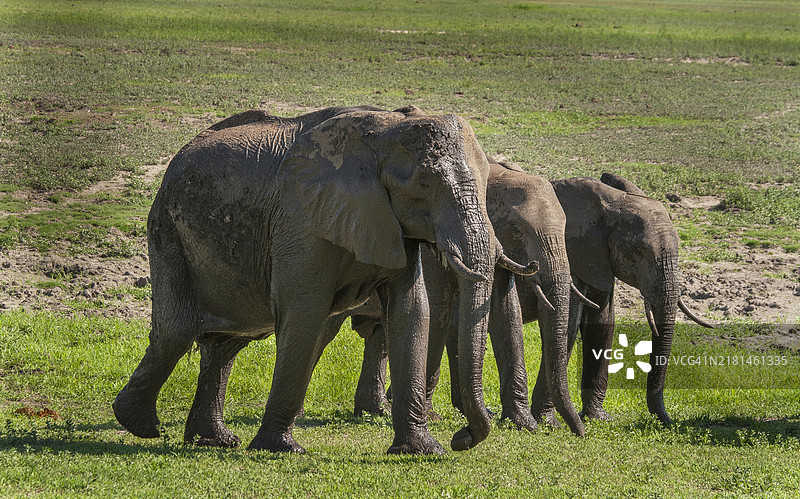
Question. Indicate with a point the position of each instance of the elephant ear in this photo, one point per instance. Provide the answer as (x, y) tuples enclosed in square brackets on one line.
[(592, 253), (621, 183), (330, 180), (589, 224)]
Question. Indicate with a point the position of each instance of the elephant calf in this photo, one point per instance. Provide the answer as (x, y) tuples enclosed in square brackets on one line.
[(615, 231)]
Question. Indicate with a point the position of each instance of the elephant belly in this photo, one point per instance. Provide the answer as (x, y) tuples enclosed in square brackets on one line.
[(233, 306), (230, 292)]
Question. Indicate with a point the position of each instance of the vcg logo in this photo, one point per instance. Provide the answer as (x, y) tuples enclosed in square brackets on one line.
[(641, 348)]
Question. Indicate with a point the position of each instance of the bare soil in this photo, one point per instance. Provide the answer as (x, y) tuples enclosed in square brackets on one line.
[(763, 287)]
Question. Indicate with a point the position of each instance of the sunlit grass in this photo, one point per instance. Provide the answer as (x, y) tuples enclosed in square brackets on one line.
[(685, 99), (723, 441)]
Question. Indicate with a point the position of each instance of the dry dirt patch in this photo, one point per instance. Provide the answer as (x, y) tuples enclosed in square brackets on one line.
[(764, 286)]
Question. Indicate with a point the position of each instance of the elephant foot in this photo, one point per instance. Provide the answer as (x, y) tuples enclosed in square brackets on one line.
[(137, 416), (596, 415), (218, 435), (375, 406), (547, 417), (420, 443), (283, 442), (523, 420), (463, 440)]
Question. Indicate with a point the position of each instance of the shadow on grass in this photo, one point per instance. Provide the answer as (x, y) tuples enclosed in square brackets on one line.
[(97, 439), (731, 431), (332, 418)]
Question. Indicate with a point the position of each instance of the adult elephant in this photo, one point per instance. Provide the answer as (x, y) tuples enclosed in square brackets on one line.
[(269, 225), (614, 230), (529, 222)]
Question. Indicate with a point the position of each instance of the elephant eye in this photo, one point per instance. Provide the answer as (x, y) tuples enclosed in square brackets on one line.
[(516, 232)]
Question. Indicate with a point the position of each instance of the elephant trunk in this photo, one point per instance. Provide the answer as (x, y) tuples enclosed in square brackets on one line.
[(662, 303), (474, 250), (473, 322), (553, 324)]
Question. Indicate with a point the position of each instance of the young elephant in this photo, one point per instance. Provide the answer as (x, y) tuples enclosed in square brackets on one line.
[(615, 231), (529, 223), (277, 225)]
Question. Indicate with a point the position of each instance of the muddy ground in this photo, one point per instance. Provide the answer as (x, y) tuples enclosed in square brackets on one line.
[(722, 291)]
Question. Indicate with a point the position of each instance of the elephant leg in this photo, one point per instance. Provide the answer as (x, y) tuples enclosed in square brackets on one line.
[(597, 331), (438, 337), (205, 419), (543, 409), (455, 382), (407, 318), (330, 330), (300, 338), (174, 330), (135, 405), (505, 329), (442, 288), (371, 390)]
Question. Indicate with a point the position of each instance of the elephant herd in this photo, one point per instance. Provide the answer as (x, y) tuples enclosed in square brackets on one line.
[(398, 219)]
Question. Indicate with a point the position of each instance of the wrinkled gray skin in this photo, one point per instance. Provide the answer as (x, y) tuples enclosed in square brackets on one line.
[(269, 225), (529, 222), (615, 230)]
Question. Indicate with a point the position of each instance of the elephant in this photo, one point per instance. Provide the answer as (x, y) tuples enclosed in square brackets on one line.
[(530, 224), (269, 225), (614, 230)]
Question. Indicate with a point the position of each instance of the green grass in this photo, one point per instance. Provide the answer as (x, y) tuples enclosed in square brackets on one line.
[(684, 98), (724, 441), (762, 218), (100, 225)]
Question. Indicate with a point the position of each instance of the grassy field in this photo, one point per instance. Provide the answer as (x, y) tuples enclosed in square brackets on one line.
[(725, 441), (685, 98)]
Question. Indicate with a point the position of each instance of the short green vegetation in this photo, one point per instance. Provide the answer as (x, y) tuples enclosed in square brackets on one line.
[(728, 438), (687, 99)]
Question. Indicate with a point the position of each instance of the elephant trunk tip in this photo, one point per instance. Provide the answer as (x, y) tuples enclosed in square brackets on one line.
[(464, 439), (655, 404), (574, 422)]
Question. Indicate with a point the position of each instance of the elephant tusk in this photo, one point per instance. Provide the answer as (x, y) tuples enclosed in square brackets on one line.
[(582, 297), (692, 315), (651, 321), (512, 266), (540, 294), (462, 270)]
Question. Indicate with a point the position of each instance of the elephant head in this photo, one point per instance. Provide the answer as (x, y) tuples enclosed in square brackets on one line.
[(530, 224), (369, 180), (620, 232)]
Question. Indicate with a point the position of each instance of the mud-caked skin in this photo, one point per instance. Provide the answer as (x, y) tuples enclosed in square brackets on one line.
[(529, 223), (615, 231), (266, 225)]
